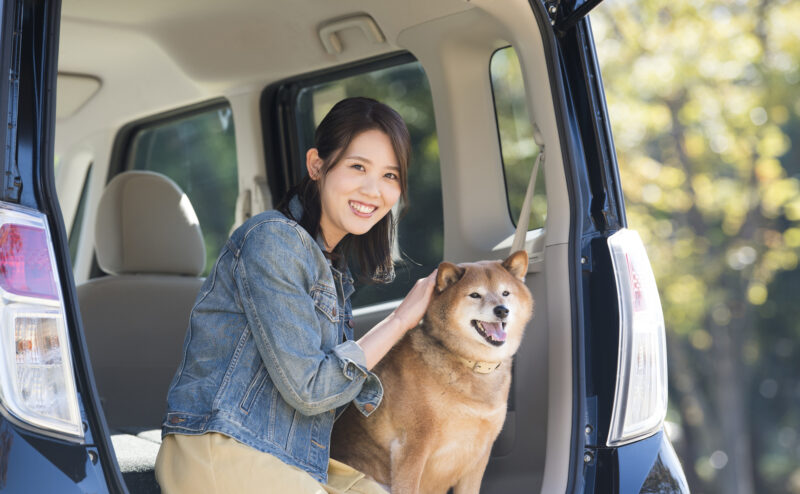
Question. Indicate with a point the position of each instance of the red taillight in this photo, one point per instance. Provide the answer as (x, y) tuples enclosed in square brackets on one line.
[(639, 303), (37, 384), (640, 399), (25, 267)]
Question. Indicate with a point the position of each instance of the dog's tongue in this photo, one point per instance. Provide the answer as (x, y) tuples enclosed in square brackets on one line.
[(495, 330)]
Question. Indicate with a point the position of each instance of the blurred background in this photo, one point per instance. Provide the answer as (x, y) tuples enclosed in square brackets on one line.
[(704, 99)]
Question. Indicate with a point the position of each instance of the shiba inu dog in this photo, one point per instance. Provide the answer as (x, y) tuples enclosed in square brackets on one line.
[(445, 384)]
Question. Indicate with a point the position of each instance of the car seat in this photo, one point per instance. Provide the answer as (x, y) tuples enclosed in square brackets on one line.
[(148, 241)]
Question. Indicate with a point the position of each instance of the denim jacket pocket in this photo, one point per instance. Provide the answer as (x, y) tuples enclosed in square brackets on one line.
[(254, 389), (325, 301)]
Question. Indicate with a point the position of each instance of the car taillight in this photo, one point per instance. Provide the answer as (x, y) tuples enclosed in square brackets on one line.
[(36, 376), (640, 399)]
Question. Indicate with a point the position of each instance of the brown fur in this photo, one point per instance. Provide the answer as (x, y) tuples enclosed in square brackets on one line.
[(438, 419)]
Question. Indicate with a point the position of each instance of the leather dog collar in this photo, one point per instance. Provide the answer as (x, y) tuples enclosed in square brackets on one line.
[(479, 366)]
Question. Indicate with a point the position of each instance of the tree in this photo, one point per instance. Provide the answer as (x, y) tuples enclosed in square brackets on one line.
[(702, 99)]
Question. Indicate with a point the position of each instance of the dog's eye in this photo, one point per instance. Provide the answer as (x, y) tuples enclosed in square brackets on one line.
[(506, 293), (475, 295)]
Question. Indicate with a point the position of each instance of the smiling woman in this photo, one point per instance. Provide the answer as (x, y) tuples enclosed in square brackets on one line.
[(273, 322)]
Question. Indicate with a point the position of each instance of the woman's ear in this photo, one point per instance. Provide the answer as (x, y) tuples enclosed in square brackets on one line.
[(313, 163)]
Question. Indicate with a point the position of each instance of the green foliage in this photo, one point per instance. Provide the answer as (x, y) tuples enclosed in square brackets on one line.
[(703, 98)]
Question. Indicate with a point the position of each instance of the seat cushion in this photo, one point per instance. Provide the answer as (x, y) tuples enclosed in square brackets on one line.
[(136, 452), (134, 327)]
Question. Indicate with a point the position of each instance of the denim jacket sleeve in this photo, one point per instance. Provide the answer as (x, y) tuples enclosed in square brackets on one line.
[(275, 276)]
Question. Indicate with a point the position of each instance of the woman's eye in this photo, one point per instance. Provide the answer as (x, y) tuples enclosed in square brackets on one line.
[(475, 295), (391, 176), (505, 293), (357, 166)]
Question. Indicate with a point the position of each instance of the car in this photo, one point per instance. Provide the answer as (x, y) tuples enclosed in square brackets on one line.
[(139, 134)]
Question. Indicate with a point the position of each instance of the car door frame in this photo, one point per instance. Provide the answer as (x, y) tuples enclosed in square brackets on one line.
[(30, 40)]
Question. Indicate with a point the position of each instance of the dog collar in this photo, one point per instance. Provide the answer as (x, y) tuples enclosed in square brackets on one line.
[(480, 367)]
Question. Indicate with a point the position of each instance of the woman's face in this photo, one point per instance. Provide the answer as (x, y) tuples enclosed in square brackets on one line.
[(360, 189)]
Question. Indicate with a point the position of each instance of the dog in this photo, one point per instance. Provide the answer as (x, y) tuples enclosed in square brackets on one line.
[(446, 384)]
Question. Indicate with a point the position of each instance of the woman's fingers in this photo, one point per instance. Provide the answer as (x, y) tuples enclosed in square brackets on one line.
[(413, 307)]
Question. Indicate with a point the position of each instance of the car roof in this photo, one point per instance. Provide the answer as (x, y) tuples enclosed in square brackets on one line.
[(184, 51)]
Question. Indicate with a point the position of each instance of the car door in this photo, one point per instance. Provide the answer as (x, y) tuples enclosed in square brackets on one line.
[(607, 454), (52, 433)]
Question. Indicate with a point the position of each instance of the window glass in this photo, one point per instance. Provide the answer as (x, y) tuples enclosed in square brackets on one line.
[(198, 152), (77, 223), (518, 146), (420, 238)]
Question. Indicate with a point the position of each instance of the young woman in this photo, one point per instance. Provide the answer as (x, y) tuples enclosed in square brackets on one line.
[(269, 359)]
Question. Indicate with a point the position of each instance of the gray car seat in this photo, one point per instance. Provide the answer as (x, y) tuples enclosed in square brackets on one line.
[(149, 242)]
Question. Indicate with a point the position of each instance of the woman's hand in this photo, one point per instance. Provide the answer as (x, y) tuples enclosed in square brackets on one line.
[(413, 307), (381, 338)]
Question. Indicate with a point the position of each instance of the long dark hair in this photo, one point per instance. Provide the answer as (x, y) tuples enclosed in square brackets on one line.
[(344, 122)]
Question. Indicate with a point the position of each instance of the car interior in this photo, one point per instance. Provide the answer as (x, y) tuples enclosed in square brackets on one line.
[(176, 121)]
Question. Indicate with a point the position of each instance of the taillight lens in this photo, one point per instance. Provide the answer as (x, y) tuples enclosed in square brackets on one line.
[(36, 376), (640, 399)]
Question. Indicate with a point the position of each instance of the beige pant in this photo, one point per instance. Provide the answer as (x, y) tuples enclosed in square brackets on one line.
[(216, 463)]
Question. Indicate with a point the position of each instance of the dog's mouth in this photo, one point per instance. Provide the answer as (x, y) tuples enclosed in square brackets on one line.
[(493, 332)]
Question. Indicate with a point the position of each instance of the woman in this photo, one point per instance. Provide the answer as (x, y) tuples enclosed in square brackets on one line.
[(269, 359)]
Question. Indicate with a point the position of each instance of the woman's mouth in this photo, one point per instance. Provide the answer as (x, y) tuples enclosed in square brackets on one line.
[(361, 209)]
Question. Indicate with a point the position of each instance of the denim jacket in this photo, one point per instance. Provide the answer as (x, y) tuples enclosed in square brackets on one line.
[(268, 355)]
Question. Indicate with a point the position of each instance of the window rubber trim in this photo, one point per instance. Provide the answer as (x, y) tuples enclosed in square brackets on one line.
[(514, 218)]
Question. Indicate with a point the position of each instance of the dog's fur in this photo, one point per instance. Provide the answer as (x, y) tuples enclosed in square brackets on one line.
[(439, 417)]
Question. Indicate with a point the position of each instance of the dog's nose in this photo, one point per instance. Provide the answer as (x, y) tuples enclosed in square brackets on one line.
[(501, 311)]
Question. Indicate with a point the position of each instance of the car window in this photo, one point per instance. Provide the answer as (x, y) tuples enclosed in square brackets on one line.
[(420, 238), (198, 152), (77, 223), (519, 149)]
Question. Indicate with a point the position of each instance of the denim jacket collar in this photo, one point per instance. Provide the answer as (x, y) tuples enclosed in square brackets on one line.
[(341, 272)]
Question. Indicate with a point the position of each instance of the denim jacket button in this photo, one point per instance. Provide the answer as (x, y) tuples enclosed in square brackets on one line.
[(334, 312), (369, 407)]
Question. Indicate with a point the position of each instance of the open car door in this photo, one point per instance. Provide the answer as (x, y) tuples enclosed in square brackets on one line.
[(49, 417)]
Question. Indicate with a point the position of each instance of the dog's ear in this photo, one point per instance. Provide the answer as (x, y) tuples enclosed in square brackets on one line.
[(447, 275), (517, 264)]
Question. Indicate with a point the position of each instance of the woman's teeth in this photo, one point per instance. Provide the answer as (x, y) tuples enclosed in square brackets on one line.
[(361, 208)]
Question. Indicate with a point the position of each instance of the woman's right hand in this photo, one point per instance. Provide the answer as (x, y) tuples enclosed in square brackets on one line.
[(413, 307), (381, 338)]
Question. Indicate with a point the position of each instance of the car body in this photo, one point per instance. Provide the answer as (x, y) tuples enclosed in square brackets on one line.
[(104, 88)]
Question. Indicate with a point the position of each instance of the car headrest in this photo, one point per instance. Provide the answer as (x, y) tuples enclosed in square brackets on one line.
[(146, 225)]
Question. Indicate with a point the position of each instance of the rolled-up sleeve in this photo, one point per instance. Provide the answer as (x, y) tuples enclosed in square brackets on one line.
[(275, 275)]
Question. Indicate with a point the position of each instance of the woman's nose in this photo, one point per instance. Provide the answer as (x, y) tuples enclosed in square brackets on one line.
[(370, 187)]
